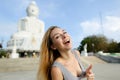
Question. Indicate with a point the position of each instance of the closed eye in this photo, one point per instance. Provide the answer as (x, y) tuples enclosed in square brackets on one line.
[(57, 37)]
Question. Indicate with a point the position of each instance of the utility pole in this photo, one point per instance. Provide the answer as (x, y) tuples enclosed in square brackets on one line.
[(101, 23)]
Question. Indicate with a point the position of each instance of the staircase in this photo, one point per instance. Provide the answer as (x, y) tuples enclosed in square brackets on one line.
[(87, 60), (19, 64), (23, 64)]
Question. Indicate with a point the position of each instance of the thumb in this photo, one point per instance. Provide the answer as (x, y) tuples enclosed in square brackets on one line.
[(89, 69)]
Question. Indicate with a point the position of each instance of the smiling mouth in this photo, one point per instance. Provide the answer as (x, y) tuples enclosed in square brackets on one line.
[(67, 42)]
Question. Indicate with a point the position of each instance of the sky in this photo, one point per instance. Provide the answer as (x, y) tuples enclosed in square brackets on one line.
[(80, 18)]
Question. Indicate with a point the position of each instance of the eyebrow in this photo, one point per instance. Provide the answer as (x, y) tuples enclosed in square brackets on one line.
[(56, 34)]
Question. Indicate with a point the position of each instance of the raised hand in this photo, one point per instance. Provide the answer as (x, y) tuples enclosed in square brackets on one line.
[(89, 73)]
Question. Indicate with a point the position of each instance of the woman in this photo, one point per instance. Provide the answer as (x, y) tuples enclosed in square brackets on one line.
[(58, 61)]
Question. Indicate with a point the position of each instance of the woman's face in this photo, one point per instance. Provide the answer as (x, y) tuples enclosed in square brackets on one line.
[(61, 39)]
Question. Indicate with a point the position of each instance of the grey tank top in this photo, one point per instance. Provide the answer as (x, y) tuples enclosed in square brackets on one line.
[(67, 75)]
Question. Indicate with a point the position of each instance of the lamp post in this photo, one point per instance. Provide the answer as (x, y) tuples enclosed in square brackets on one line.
[(93, 47)]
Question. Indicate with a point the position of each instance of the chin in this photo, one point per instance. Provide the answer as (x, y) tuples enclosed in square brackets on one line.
[(69, 47)]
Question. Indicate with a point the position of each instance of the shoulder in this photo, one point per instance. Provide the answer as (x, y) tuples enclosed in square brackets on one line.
[(56, 73), (76, 52), (55, 70)]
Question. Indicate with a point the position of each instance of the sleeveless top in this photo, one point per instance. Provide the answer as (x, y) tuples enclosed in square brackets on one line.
[(67, 75)]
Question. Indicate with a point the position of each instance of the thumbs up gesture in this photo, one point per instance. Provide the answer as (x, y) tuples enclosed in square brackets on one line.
[(89, 73)]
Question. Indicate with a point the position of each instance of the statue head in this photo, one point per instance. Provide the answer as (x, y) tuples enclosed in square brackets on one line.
[(32, 9)]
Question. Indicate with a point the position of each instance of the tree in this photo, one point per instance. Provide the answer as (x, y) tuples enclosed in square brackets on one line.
[(119, 47), (0, 45), (114, 47), (94, 43)]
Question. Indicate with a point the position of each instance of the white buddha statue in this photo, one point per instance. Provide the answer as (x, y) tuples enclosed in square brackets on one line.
[(31, 23), (30, 31)]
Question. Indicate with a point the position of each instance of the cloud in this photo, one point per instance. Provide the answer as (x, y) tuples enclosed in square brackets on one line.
[(112, 23), (110, 27), (90, 27)]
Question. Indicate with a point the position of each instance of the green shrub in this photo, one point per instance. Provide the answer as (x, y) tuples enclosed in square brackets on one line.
[(2, 53)]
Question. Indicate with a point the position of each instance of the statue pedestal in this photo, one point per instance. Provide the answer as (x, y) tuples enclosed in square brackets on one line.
[(83, 53), (14, 55)]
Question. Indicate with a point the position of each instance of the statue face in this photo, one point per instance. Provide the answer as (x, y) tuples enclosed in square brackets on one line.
[(32, 11)]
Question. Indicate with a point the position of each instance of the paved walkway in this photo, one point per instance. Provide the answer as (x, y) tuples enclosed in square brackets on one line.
[(19, 75), (107, 71), (102, 72)]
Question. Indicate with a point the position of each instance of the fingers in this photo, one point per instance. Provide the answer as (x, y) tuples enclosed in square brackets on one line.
[(89, 73), (89, 69), (90, 77)]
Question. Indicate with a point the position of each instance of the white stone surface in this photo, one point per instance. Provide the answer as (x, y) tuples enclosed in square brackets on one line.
[(30, 31), (14, 54), (84, 52)]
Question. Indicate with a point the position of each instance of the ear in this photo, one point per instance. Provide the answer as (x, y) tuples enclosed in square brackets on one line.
[(53, 47)]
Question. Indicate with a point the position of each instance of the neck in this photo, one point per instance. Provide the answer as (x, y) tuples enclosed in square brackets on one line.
[(66, 54)]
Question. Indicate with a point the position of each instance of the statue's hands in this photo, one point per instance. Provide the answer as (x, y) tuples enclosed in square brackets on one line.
[(89, 73)]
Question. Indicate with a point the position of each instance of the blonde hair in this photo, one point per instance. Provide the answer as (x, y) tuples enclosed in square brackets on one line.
[(47, 56)]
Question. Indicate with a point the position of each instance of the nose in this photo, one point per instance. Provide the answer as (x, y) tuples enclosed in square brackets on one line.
[(63, 36)]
